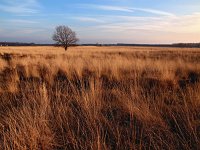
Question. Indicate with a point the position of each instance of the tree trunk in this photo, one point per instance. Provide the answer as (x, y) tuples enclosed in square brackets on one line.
[(66, 48)]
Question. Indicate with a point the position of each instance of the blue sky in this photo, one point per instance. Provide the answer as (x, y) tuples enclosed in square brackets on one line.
[(102, 21)]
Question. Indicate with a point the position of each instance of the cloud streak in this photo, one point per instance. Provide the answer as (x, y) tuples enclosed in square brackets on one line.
[(125, 9), (21, 21), (105, 7), (88, 19), (20, 6), (153, 11)]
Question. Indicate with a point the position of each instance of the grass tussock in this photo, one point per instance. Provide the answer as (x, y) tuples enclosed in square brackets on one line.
[(99, 98)]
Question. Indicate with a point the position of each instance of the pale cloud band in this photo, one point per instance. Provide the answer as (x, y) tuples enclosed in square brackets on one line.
[(20, 6), (175, 24), (124, 9)]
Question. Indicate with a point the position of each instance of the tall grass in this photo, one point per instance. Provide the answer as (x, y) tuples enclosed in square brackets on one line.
[(99, 98)]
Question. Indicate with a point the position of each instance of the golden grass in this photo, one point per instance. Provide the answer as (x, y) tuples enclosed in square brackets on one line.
[(99, 98)]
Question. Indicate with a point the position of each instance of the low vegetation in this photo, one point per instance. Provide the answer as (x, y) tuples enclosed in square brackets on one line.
[(99, 98)]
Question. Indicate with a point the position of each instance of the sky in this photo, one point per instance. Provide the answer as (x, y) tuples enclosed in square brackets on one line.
[(102, 21)]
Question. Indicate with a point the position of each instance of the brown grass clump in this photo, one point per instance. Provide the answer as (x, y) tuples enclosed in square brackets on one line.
[(99, 98)]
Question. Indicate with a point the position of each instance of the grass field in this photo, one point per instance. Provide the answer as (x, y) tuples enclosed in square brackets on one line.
[(99, 98)]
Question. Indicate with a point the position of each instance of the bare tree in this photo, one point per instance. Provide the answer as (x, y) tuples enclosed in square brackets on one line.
[(64, 36)]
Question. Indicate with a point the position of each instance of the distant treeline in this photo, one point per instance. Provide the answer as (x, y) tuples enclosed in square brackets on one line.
[(195, 45), (22, 44), (184, 45)]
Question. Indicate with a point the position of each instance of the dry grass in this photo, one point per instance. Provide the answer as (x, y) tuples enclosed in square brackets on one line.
[(99, 98)]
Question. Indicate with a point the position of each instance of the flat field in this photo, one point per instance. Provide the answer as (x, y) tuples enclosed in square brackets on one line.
[(99, 98)]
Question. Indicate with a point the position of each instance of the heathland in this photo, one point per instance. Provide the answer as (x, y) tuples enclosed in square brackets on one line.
[(99, 98)]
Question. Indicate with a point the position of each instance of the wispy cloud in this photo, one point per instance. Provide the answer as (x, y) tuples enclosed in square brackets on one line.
[(153, 11), (105, 7), (114, 8), (179, 24), (21, 21), (107, 19), (88, 19), (125, 9), (20, 6)]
